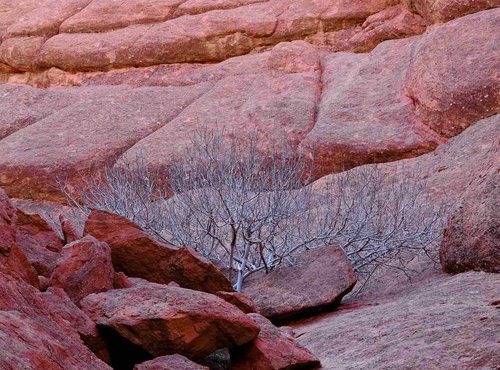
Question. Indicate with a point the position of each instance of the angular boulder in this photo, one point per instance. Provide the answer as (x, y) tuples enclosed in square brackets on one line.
[(164, 319), (172, 362), (273, 349), (138, 255), (318, 280), (84, 268), (239, 300), (472, 238), (44, 330), (13, 261), (39, 242)]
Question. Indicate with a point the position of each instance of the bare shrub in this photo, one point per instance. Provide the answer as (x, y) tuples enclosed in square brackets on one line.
[(248, 211)]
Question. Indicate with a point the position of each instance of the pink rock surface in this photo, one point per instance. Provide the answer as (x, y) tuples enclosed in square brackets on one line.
[(318, 280), (83, 268), (172, 362), (462, 87), (434, 326), (164, 319), (364, 116), (446, 10)]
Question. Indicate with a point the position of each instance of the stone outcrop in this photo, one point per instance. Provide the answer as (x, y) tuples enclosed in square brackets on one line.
[(318, 280), (431, 326), (137, 255), (83, 268), (165, 319)]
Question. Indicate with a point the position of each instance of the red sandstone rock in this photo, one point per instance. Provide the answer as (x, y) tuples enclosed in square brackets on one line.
[(446, 10), (42, 330), (452, 78), (272, 350), (137, 255), (84, 268), (39, 242), (294, 57), (239, 300), (13, 261), (164, 319), (172, 362), (472, 238), (89, 133), (363, 116), (20, 52), (318, 280), (431, 326)]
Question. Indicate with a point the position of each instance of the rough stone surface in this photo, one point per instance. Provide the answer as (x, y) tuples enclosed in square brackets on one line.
[(83, 268), (272, 349), (42, 330), (39, 242), (445, 10), (239, 300), (137, 255), (462, 87), (452, 323), (165, 319), (472, 238), (13, 261), (318, 280), (172, 362)]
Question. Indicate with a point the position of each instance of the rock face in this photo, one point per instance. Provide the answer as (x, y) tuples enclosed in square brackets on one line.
[(472, 238), (165, 319), (239, 300), (172, 362), (273, 349), (344, 109), (318, 280), (435, 326), (83, 268), (463, 87), (137, 255)]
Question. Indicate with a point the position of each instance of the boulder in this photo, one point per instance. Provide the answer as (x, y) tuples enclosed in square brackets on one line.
[(172, 362), (452, 78), (164, 319), (472, 238), (39, 242), (84, 267), (13, 261), (136, 254), (239, 300), (318, 280), (44, 330), (273, 349)]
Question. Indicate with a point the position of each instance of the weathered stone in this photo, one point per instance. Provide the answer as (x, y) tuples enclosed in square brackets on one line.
[(137, 255), (172, 362), (165, 320), (318, 280)]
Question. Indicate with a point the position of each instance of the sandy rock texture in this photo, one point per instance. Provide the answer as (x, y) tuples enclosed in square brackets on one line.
[(453, 323)]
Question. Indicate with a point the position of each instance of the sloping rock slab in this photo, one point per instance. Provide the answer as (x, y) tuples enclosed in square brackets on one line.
[(318, 280), (449, 324), (137, 255), (164, 319), (272, 350)]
